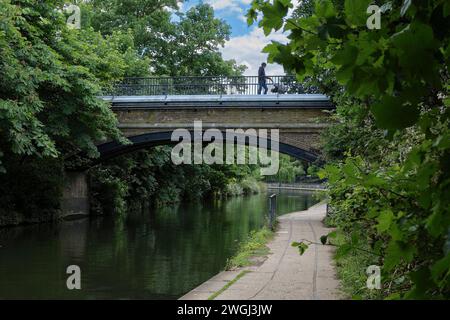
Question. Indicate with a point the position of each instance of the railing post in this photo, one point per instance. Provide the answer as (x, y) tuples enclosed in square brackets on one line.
[(272, 210)]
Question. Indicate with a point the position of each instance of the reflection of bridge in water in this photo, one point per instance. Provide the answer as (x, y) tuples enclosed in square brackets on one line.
[(149, 109)]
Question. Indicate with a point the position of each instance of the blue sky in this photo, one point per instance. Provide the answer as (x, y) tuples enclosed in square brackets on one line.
[(232, 11), (246, 42)]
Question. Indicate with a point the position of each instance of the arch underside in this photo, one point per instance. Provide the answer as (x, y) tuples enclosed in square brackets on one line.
[(113, 149)]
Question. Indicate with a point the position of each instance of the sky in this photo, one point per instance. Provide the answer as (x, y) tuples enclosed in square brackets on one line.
[(246, 43)]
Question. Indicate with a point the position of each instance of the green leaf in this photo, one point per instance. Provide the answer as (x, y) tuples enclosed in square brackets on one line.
[(251, 16), (324, 8), (273, 16), (395, 232), (422, 282), (397, 252), (332, 235), (324, 239), (301, 246), (356, 11), (440, 271), (373, 180), (442, 141), (416, 42), (345, 56), (343, 250), (437, 223), (392, 113), (384, 220)]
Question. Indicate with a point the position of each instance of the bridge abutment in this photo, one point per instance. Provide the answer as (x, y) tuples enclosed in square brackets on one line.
[(75, 200)]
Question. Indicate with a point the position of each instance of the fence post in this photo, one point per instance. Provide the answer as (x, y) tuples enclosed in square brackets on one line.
[(272, 210)]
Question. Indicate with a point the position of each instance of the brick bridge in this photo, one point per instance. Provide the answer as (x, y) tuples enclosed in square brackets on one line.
[(148, 114), (150, 120)]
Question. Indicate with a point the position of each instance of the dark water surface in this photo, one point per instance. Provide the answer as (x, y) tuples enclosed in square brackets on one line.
[(161, 254)]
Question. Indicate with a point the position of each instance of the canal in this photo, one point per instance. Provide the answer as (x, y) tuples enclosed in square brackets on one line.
[(160, 254)]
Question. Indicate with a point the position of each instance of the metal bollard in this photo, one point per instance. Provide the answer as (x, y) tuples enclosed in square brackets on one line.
[(272, 210)]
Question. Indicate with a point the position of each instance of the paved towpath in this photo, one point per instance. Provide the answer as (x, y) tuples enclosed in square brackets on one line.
[(284, 274)]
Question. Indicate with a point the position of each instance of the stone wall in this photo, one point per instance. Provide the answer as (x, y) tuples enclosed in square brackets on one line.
[(75, 199)]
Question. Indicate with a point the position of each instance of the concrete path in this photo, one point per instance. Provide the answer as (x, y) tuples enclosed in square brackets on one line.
[(285, 275)]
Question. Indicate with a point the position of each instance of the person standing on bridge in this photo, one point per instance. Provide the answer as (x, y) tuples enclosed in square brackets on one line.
[(262, 79)]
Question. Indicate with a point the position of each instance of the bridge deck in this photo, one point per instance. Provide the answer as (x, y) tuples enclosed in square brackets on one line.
[(221, 101)]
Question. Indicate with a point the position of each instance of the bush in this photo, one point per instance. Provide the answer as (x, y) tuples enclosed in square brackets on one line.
[(250, 186), (234, 189)]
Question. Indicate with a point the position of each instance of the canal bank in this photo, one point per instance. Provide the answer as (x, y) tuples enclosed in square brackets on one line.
[(284, 274)]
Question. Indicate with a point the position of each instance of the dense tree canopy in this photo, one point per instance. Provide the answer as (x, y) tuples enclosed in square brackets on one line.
[(51, 77), (389, 184), (187, 46)]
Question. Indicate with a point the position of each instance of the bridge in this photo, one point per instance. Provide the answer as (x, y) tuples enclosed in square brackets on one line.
[(150, 109)]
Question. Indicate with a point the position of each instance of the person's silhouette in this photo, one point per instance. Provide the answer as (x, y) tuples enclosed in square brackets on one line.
[(262, 84)]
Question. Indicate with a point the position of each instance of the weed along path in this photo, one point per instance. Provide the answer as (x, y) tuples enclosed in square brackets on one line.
[(284, 274)]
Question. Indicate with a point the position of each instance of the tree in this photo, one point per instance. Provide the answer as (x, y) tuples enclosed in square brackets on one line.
[(50, 78), (389, 182), (194, 48), (186, 47)]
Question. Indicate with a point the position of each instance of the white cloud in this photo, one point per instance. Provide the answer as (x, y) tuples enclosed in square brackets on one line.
[(247, 49), (228, 5), (179, 7)]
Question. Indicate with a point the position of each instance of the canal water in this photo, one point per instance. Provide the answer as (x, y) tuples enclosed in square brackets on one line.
[(161, 254)]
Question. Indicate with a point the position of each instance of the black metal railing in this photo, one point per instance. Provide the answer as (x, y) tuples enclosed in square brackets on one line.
[(208, 85)]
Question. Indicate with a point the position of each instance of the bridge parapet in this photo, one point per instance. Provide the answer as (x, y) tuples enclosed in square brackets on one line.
[(206, 85), (299, 117), (229, 101)]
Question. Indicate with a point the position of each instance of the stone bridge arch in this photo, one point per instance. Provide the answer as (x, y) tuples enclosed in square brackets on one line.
[(149, 121), (152, 139)]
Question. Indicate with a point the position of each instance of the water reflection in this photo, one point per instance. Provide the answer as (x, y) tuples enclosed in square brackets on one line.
[(159, 254)]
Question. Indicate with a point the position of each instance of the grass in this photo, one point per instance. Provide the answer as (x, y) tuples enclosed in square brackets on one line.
[(254, 246), (351, 271), (229, 284)]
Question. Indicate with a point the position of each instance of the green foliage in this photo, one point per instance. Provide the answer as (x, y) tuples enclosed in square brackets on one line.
[(351, 269), (289, 170), (355, 11), (30, 190), (253, 246), (50, 77), (388, 149), (108, 193), (189, 46), (250, 186), (229, 284), (234, 188), (301, 246), (313, 170), (149, 176)]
